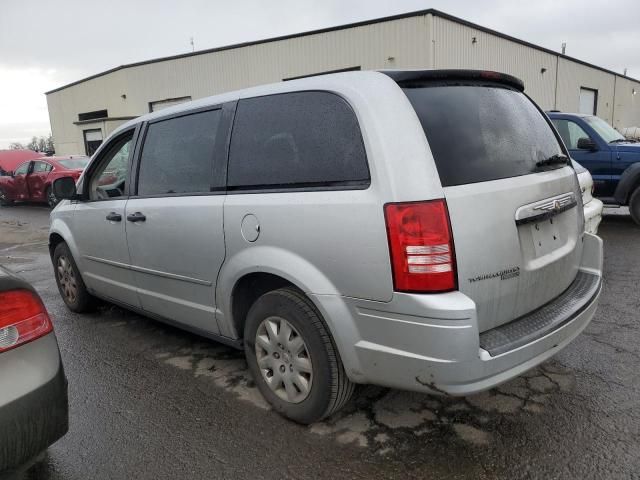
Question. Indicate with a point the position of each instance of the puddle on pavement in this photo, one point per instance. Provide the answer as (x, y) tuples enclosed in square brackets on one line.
[(386, 420)]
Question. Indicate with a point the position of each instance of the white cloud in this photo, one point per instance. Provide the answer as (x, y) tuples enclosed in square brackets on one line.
[(23, 104)]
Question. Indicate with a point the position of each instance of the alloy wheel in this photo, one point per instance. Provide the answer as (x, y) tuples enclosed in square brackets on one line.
[(284, 360), (51, 198), (67, 279)]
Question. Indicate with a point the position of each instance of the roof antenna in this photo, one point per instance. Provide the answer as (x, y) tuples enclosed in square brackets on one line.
[(625, 72), (193, 46), (564, 47)]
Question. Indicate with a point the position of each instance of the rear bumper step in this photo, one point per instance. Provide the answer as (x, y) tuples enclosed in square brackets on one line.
[(544, 320)]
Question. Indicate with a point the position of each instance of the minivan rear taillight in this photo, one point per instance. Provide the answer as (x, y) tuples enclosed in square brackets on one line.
[(421, 246), (23, 318)]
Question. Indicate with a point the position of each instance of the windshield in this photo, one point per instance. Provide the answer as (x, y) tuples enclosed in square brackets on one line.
[(606, 131), (74, 163), (479, 133)]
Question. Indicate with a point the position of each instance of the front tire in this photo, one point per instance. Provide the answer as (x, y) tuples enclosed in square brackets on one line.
[(293, 358), (4, 199), (634, 205), (70, 283), (52, 200)]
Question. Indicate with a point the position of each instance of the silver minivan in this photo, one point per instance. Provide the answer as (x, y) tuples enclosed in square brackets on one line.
[(420, 230)]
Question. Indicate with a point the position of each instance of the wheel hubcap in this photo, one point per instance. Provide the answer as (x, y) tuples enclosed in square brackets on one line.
[(284, 360), (67, 279), (52, 199)]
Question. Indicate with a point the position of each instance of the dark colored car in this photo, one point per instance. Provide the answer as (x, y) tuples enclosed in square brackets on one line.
[(612, 160), (33, 386), (32, 180)]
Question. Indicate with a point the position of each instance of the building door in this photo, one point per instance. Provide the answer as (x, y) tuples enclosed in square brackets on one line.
[(92, 140), (588, 100)]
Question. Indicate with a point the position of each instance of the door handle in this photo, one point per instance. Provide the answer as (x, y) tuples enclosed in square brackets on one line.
[(136, 217), (114, 217)]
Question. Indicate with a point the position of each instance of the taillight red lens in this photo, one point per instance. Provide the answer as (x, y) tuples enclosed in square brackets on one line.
[(421, 246), (23, 318)]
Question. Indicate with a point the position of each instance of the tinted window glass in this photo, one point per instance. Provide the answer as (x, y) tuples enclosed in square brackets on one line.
[(110, 178), (40, 167), (570, 132), (177, 156), (22, 169), (296, 140), (74, 163), (479, 133)]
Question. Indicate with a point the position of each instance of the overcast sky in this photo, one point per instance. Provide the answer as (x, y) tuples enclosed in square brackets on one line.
[(45, 44)]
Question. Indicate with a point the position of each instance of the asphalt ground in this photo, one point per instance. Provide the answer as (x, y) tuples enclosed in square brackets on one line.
[(149, 401)]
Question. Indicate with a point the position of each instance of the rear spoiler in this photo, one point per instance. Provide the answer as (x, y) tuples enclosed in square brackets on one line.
[(408, 78)]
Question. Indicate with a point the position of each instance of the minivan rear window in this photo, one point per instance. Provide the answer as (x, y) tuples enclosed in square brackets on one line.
[(482, 132), (296, 140)]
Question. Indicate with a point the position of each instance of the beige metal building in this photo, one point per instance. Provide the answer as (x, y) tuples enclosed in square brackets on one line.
[(85, 112)]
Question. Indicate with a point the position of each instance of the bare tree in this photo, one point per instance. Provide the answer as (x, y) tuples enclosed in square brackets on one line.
[(37, 144), (33, 144)]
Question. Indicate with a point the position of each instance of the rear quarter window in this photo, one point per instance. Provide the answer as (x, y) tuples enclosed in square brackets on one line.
[(479, 133), (296, 140)]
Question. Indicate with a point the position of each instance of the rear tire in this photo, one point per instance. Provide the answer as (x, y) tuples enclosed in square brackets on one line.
[(4, 200), (634, 205), (51, 197), (296, 366), (70, 284)]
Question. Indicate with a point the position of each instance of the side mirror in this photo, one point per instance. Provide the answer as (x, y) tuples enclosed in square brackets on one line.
[(585, 143), (65, 188)]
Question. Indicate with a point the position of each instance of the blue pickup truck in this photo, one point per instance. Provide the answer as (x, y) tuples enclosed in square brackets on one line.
[(613, 161)]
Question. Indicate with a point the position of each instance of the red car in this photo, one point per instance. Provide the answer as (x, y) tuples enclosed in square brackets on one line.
[(32, 180)]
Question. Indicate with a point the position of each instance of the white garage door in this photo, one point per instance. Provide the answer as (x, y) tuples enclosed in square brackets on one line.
[(588, 98), (169, 102)]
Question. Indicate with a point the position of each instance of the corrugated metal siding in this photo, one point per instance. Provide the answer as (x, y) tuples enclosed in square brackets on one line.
[(572, 76), (627, 106), (454, 48), (399, 43), (423, 41)]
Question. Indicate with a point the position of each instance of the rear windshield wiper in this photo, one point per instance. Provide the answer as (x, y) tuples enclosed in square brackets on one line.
[(553, 160)]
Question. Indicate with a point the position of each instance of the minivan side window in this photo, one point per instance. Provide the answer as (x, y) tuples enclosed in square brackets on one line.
[(296, 140), (177, 156), (109, 179)]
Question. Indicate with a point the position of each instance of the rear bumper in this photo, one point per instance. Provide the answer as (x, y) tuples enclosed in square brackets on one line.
[(33, 401), (431, 343), (592, 215)]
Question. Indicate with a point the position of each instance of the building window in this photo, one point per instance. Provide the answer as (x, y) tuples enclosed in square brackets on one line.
[(167, 102), (92, 140), (348, 69), (97, 114), (588, 101)]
